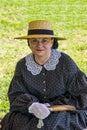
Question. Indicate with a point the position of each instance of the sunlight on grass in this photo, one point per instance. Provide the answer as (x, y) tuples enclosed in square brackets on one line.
[(69, 18)]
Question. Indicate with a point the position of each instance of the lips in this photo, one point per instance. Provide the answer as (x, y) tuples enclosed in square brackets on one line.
[(39, 50)]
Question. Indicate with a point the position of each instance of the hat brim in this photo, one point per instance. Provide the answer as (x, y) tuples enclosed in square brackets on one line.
[(39, 36)]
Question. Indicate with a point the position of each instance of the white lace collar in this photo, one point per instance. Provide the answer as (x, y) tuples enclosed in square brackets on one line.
[(35, 68)]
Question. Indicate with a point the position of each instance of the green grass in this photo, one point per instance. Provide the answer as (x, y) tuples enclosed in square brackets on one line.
[(69, 18)]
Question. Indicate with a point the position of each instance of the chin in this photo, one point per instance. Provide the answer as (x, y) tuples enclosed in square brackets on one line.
[(39, 54)]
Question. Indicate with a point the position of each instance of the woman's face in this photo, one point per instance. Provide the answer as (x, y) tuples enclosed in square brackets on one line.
[(41, 46)]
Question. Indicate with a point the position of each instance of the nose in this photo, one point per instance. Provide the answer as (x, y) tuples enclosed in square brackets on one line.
[(40, 44)]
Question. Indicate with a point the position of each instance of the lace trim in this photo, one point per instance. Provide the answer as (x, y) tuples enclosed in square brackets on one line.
[(35, 68)]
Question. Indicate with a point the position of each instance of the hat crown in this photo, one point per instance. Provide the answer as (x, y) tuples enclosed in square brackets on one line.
[(40, 24), (40, 29)]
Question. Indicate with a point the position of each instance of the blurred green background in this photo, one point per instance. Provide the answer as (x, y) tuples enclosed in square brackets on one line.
[(69, 18)]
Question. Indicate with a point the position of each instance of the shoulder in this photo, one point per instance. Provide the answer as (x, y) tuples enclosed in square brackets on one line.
[(21, 62), (68, 63), (67, 59), (66, 56), (63, 56), (20, 65)]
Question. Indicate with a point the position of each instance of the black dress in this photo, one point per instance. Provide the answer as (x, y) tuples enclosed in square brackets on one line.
[(59, 81)]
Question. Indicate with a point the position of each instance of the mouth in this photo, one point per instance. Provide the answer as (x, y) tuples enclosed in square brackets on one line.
[(39, 50)]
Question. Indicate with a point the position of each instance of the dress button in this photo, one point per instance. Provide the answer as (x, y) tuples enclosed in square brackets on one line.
[(44, 89), (43, 73), (44, 97), (44, 81)]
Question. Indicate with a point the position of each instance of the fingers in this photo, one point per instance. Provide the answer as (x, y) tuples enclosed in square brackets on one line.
[(40, 110)]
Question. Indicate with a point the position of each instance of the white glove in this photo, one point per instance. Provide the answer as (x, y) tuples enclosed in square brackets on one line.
[(47, 104), (39, 110)]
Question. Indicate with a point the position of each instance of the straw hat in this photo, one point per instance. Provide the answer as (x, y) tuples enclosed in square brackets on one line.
[(40, 29)]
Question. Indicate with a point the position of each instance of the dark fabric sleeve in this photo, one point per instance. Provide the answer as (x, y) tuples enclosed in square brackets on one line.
[(19, 97), (75, 83), (77, 87)]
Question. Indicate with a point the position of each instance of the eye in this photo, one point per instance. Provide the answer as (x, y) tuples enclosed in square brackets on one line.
[(45, 40), (34, 40)]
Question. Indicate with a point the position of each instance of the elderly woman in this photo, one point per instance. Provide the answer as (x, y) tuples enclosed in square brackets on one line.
[(48, 90)]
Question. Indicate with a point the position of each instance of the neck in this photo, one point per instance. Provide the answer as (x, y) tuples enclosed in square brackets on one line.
[(41, 60)]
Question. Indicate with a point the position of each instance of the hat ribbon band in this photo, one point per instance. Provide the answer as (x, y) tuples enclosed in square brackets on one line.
[(40, 31)]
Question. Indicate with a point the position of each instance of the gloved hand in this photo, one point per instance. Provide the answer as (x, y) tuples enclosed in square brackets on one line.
[(47, 104), (39, 110)]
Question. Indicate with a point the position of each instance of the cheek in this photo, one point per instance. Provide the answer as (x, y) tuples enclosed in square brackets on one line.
[(31, 47), (50, 45)]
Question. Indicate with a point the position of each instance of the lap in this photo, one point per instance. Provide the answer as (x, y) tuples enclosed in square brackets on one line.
[(56, 121)]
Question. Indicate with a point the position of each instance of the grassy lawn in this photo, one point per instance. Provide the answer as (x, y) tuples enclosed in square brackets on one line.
[(69, 18)]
